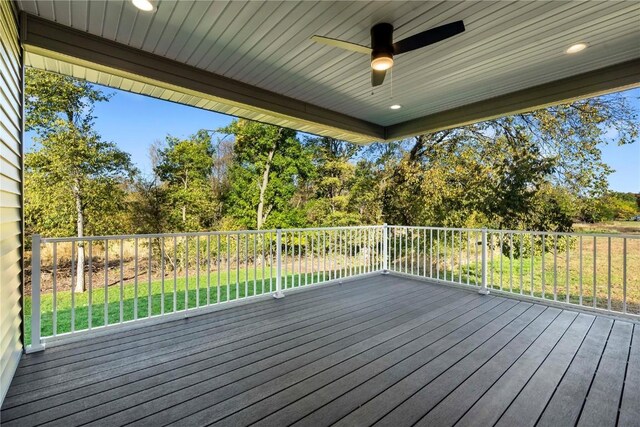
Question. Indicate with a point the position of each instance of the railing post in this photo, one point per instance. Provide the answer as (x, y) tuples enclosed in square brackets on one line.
[(483, 289), (36, 341), (385, 248), (278, 293)]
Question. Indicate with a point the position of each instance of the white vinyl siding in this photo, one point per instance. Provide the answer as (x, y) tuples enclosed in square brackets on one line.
[(10, 195)]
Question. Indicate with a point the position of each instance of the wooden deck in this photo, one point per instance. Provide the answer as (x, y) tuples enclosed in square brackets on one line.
[(382, 350)]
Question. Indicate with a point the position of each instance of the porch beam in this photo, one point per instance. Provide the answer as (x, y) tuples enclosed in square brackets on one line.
[(622, 76), (70, 45)]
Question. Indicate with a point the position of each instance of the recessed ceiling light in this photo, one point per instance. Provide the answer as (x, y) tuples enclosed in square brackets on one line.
[(396, 107), (144, 5), (575, 48)]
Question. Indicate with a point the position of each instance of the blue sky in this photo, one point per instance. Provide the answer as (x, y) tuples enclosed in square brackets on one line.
[(134, 122)]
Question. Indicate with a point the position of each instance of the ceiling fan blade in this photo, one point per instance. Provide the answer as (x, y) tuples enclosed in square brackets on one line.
[(342, 44), (377, 77), (428, 37)]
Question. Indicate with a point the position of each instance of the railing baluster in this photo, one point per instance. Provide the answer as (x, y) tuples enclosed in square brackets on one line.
[(412, 251), (510, 262), (324, 255), (542, 266), (149, 273), (438, 255), (73, 288), (484, 285), (533, 252), (595, 295), (208, 269), (608, 273), (121, 280), (270, 262), (475, 237), (580, 273), (262, 264), (567, 243), (431, 253), (162, 273), (219, 271), (90, 288), (521, 240), (501, 255), (491, 282), (135, 278), (460, 257), (197, 271), (444, 255), (106, 282), (186, 274), (624, 275), (238, 245), (175, 274), (54, 290), (555, 268), (278, 293)]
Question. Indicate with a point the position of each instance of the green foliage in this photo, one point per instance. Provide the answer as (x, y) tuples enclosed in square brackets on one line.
[(185, 167), (538, 171), (73, 178), (610, 206), (269, 164), (332, 184)]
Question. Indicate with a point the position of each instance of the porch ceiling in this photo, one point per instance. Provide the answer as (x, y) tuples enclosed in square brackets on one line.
[(255, 59)]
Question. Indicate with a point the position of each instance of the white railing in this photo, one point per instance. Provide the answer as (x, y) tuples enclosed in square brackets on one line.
[(134, 278), (147, 278), (593, 271)]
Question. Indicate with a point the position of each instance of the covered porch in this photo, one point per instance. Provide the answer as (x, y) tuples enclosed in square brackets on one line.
[(371, 345)]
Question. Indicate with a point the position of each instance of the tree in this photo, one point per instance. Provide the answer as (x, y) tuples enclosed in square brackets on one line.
[(71, 162), (334, 174), (498, 173), (269, 164), (185, 167)]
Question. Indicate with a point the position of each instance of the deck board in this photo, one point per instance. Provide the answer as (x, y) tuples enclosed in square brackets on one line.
[(601, 407), (382, 350), (630, 408)]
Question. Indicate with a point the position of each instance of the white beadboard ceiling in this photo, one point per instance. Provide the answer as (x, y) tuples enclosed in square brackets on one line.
[(507, 46)]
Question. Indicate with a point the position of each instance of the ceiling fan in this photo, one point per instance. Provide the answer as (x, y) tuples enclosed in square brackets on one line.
[(383, 48)]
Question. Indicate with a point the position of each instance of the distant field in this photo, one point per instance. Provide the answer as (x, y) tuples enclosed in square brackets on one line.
[(623, 227)]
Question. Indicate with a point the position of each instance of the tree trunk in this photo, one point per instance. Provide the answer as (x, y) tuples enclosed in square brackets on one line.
[(263, 187), (79, 286), (184, 207)]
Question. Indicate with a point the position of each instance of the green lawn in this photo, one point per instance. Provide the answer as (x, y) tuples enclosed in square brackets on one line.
[(238, 284), (564, 280)]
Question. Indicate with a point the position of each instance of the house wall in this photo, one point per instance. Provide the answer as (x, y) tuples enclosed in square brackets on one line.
[(10, 194)]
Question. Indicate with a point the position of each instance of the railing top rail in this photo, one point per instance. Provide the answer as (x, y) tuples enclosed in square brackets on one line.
[(352, 227), (197, 234), (535, 233)]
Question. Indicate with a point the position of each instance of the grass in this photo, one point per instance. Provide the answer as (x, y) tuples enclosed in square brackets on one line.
[(149, 296), (578, 275)]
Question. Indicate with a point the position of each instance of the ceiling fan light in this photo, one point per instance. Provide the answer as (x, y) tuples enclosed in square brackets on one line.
[(144, 5), (382, 62)]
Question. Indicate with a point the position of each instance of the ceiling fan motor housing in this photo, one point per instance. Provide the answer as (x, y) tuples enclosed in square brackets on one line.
[(381, 41)]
